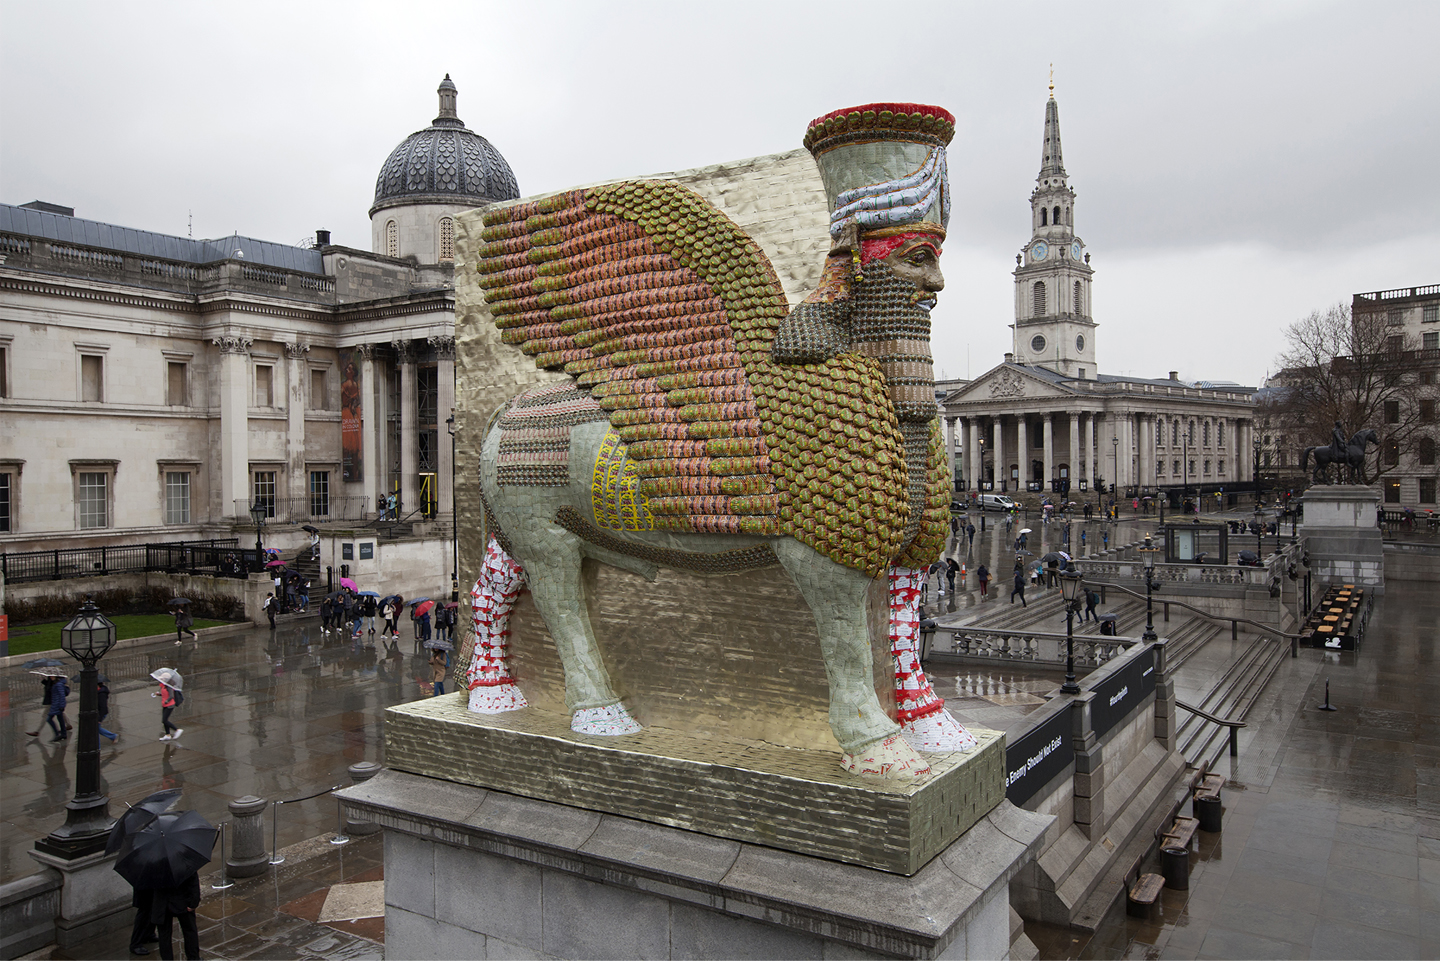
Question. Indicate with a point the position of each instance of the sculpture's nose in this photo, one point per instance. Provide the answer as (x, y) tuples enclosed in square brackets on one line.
[(932, 279)]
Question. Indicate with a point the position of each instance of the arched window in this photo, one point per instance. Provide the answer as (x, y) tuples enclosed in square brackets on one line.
[(1067, 216), (1057, 214), (1039, 292), (1078, 311), (447, 240), (392, 239), (1043, 214)]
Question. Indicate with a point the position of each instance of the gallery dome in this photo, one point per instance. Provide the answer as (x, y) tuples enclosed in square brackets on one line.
[(444, 163)]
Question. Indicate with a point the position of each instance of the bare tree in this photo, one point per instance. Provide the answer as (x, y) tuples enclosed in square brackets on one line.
[(1357, 369)]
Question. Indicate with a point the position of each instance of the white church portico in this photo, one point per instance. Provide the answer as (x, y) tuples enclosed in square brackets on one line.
[(1047, 420)]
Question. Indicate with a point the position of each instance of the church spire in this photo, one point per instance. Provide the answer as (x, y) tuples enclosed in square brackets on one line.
[(1051, 162)]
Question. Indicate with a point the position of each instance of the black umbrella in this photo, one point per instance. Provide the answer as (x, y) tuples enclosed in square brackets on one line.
[(166, 851), (140, 815), (439, 644), (42, 662), (310, 528), (178, 600)]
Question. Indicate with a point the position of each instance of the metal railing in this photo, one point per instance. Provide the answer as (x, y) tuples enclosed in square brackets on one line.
[(1035, 647), (1229, 722), (308, 510), (222, 557)]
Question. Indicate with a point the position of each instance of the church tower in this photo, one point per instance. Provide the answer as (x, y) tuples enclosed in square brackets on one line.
[(1053, 326)]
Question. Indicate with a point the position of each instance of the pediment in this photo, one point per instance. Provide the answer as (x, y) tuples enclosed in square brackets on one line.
[(1007, 382)]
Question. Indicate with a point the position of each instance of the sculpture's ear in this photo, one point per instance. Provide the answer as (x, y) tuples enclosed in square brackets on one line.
[(819, 327)]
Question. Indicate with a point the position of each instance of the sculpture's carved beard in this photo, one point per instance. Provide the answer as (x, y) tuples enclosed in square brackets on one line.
[(888, 324)]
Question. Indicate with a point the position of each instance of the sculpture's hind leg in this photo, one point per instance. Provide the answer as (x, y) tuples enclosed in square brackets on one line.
[(924, 722), (552, 562), (871, 742)]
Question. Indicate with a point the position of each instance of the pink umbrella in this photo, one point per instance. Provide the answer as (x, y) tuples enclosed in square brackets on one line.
[(347, 582), (422, 609)]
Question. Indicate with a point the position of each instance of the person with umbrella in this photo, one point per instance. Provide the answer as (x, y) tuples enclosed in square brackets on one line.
[(269, 608), (170, 697), (390, 611), (45, 668), (55, 717), (184, 622), (1019, 587), (163, 859), (102, 706)]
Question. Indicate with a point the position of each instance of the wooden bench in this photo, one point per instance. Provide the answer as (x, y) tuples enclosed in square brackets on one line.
[(1142, 897), (1180, 832)]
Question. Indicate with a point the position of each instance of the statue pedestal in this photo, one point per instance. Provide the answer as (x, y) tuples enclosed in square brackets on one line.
[(1342, 536), (475, 873)]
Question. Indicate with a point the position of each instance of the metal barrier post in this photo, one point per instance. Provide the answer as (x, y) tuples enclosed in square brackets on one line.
[(275, 857), (224, 881), (340, 836)]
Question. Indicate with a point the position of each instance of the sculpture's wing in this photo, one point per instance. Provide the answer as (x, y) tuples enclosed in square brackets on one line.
[(665, 310), (653, 301)]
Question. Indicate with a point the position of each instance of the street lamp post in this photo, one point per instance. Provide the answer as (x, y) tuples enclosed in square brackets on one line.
[(1257, 474), (454, 515), (87, 817), (1151, 585), (1259, 532), (1070, 582), (1115, 450), (258, 510)]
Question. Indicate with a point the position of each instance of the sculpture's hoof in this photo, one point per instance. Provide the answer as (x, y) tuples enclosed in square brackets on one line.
[(890, 758), (609, 720), (497, 699), (937, 733)]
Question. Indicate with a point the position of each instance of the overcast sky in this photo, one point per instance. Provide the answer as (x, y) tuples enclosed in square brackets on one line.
[(1237, 165)]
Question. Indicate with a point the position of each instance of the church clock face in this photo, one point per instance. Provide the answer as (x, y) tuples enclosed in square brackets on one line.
[(1039, 250), (1075, 249), (1080, 343)]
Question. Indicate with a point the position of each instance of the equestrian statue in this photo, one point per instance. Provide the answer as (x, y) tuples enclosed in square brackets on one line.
[(1341, 452), (706, 426)]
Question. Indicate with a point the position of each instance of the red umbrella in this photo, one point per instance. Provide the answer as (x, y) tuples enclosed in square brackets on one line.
[(422, 609)]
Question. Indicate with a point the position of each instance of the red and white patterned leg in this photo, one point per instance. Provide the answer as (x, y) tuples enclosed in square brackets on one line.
[(492, 689), (924, 723)]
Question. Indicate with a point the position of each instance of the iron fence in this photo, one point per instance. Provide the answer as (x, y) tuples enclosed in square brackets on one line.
[(307, 509), (222, 557)]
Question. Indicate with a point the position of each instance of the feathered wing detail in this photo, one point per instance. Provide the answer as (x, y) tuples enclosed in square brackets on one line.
[(665, 310)]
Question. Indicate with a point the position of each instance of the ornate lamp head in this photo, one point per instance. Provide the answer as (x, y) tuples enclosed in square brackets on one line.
[(89, 635)]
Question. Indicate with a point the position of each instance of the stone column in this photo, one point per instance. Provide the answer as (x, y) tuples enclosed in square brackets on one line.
[(248, 856), (445, 387), (1000, 472), (950, 448), (1128, 449), (1022, 447), (973, 467), (1090, 447), (371, 430), (1164, 698), (234, 425), (1075, 472), (296, 369), (409, 427), (1048, 425)]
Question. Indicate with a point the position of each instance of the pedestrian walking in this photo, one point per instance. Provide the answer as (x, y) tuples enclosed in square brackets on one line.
[(437, 672), (1019, 587), (143, 931), (170, 698), (169, 905), (47, 684), (955, 528), (304, 596), (184, 621), (937, 571), (269, 608), (424, 627), (1092, 600), (951, 569), (389, 612), (982, 574), (370, 609), (102, 707), (55, 717), (1105, 538), (970, 533), (324, 615), (1082, 538)]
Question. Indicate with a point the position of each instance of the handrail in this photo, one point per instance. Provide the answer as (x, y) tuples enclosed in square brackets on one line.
[(1231, 723), (1266, 628)]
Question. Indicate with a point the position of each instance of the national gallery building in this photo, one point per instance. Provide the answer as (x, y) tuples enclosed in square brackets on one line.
[(154, 388), (1046, 419)]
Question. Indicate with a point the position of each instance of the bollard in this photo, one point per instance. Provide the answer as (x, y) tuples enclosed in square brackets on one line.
[(1175, 868), (1207, 811), (360, 772), (248, 856)]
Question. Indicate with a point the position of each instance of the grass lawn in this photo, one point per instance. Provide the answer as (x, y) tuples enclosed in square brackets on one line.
[(46, 637)]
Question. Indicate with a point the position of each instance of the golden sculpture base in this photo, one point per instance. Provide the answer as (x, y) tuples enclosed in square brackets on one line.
[(789, 798)]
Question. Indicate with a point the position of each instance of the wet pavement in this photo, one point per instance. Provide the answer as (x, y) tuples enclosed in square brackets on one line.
[(278, 714)]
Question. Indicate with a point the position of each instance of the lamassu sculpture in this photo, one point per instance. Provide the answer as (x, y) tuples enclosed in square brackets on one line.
[(706, 427)]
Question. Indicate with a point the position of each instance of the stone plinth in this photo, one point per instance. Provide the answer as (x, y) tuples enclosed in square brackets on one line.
[(1342, 536), (475, 873), (784, 797), (93, 898)]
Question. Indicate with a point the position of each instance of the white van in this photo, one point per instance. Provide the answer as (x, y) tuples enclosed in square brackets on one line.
[(996, 502)]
